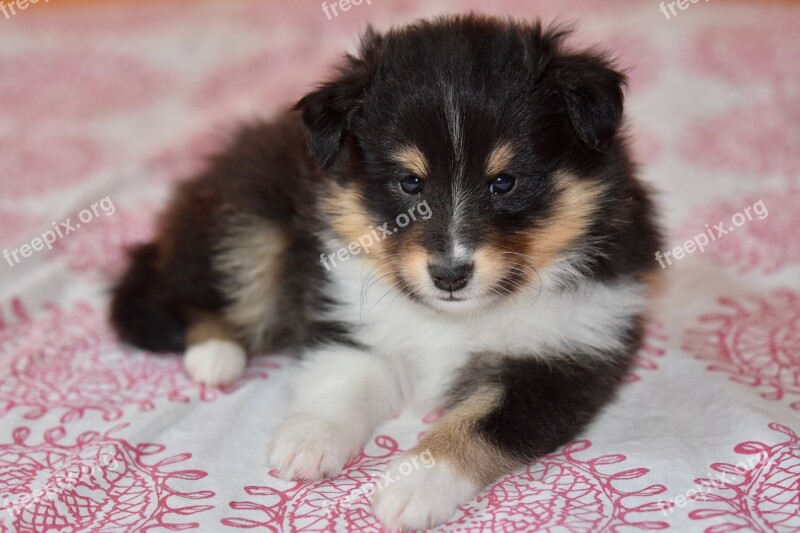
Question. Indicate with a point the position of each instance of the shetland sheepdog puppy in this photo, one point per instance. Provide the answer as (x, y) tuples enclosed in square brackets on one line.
[(452, 220)]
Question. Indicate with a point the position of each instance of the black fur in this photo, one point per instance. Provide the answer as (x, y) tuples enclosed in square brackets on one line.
[(136, 312), (173, 279), (545, 403)]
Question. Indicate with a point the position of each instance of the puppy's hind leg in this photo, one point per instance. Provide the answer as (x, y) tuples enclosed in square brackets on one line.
[(247, 263), (213, 355)]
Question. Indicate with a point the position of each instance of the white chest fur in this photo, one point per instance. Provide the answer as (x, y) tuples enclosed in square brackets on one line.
[(426, 347)]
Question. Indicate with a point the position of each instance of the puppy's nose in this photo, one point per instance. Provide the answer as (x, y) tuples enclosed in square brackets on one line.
[(450, 276)]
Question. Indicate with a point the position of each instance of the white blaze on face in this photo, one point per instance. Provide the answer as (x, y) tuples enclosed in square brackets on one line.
[(455, 128), (460, 253)]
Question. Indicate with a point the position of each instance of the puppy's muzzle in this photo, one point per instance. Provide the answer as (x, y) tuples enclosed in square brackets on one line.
[(450, 276)]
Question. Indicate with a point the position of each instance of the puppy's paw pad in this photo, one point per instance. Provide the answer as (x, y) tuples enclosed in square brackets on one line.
[(309, 447), (412, 495), (215, 362)]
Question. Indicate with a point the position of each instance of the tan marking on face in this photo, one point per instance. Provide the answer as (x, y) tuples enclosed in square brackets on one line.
[(577, 203), (456, 440), (412, 159), (498, 160), (349, 218), (490, 265), (414, 265)]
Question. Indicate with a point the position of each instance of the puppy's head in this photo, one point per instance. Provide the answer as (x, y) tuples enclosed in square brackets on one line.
[(482, 146)]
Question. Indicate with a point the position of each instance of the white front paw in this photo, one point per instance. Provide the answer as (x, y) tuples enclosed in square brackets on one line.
[(310, 447), (413, 496)]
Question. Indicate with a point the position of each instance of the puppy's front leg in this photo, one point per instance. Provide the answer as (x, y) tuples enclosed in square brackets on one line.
[(340, 397), (506, 412)]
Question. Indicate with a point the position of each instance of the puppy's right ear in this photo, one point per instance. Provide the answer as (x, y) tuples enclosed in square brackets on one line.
[(328, 112)]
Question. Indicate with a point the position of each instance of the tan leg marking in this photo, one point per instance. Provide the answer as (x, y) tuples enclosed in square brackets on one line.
[(249, 259), (206, 327), (455, 439)]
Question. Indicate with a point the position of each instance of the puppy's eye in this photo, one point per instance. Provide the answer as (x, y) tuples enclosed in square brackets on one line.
[(502, 184), (411, 184)]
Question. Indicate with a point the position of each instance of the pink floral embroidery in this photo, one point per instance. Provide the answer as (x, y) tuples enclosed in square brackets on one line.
[(16, 227), (252, 83), (71, 361), (99, 482), (756, 342), (100, 247), (652, 349), (75, 84), (755, 140), (641, 61), (560, 491), (758, 494), (764, 245), (28, 170), (647, 148), (319, 506), (186, 158), (757, 53)]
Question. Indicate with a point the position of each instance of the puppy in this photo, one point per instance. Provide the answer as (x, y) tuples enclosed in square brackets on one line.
[(452, 220)]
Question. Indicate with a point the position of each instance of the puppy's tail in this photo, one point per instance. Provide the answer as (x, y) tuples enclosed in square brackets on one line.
[(137, 315)]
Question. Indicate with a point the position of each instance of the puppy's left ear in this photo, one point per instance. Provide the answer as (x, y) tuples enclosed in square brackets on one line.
[(592, 92), (329, 111)]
